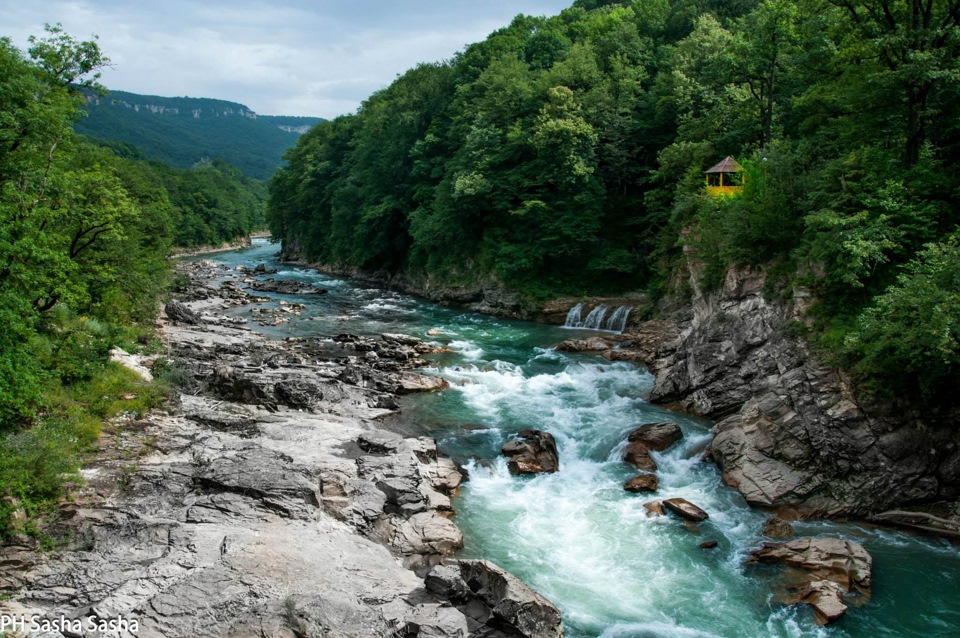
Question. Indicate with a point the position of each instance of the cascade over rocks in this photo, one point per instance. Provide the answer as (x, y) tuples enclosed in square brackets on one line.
[(793, 433)]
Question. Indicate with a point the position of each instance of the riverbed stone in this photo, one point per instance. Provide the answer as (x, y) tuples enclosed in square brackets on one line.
[(685, 509), (533, 452), (642, 483), (826, 598), (656, 437), (593, 344), (286, 287), (654, 508), (402, 339), (777, 528)]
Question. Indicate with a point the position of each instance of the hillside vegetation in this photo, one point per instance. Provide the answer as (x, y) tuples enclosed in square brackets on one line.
[(84, 234), (182, 131), (567, 155)]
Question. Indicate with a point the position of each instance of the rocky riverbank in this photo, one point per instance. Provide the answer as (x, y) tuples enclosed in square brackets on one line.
[(233, 244), (270, 500)]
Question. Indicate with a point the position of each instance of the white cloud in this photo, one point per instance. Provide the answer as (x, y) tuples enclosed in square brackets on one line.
[(279, 57)]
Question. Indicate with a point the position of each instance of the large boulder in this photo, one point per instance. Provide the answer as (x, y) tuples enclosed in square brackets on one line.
[(640, 458), (656, 437), (427, 533), (534, 452), (494, 599), (178, 312), (832, 568)]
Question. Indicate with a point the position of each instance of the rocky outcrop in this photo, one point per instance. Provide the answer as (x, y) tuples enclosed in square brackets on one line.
[(831, 569), (492, 597), (134, 363), (793, 433), (533, 452), (178, 312)]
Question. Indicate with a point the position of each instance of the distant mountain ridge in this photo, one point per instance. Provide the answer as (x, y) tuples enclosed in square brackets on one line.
[(185, 130)]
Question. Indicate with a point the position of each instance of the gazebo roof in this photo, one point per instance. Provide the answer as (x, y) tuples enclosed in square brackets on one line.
[(728, 165)]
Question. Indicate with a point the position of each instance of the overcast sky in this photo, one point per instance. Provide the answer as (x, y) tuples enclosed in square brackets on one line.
[(279, 57)]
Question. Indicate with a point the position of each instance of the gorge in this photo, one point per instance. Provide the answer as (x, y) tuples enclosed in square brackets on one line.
[(575, 536)]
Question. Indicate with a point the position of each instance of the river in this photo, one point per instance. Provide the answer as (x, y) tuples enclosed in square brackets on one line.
[(576, 536)]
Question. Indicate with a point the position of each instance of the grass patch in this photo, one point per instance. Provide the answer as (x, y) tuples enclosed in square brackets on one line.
[(38, 463)]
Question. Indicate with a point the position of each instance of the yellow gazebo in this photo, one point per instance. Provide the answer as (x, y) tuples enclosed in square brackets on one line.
[(725, 178)]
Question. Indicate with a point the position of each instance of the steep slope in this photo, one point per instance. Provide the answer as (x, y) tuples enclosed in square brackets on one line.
[(794, 432), (183, 131)]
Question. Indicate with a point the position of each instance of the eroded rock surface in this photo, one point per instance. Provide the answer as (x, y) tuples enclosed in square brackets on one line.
[(490, 596), (268, 503), (829, 569), (792, 432)]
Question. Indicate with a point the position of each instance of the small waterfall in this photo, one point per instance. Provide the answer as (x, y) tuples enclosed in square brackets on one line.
[(618, 320), (574, 320), (595, 319)]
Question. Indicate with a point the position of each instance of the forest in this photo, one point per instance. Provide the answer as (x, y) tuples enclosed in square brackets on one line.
[(566, 155), (85, 231), (182, 131)]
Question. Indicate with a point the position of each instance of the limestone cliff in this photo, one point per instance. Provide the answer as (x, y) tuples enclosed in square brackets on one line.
[(793, 432)]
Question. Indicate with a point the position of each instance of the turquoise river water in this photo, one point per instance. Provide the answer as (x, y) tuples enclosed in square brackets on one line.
[(576, 536)]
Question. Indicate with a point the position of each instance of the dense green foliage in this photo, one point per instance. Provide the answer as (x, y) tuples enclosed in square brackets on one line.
[(567, 154), (85, 230), (182, 131)]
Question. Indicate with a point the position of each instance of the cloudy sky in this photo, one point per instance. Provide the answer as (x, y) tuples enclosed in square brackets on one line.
[(279, 57)]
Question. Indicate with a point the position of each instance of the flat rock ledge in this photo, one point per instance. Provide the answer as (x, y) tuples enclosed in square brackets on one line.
[(826, 573), (269, 501)]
